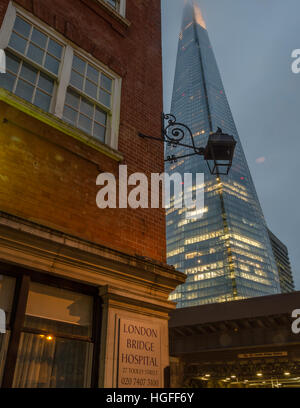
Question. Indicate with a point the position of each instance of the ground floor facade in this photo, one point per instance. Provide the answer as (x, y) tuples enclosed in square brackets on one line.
[(78, 314), (242, 344)]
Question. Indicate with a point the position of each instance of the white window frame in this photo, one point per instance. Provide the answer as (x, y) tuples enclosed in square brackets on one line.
[(64, 74), (121, 9)]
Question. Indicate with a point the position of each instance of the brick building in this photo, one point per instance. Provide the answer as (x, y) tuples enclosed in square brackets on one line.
[(83, 78)]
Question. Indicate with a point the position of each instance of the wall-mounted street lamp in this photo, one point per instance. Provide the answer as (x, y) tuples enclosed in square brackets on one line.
[(218, 152)]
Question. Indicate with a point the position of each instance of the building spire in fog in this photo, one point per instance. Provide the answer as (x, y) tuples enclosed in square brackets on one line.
[(226, 254)]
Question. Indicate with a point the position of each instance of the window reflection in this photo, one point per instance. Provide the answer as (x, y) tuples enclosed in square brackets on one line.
[(7, 288), (56, 346), (50, 362)]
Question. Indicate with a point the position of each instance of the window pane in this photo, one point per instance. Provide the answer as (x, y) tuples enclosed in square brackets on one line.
[(8, 81), (37, 46), (46, 83), (48, 307), (91, 82), (87, 108), (49, 362), (70, 115), (113, 3), (99, 132), (12, 63), (17, 43), (106, 82), (100, 116), (72, 99), (42, 100), (85, 123), (54, 48), (4, 339), (92, 74), (91, 89), (7, 289), (35, 53), (39, 38), (52, 64), (79, 64), (24, 90), (76, 80), (29, 73), (104, 98), (22, 27), (30, 83)]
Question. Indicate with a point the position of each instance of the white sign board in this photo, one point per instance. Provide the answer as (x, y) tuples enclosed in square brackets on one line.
[(139, 358)]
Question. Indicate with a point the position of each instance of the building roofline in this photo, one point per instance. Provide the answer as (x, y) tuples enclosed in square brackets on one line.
[(235, 310)]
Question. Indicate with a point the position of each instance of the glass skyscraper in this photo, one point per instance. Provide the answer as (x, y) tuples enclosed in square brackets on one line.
[(281, 255), (226, 254)]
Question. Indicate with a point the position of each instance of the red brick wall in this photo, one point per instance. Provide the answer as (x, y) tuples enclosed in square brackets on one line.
[(50, 177)]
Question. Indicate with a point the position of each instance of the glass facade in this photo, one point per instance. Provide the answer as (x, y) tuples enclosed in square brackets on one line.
[(226, 254), (284, 268)]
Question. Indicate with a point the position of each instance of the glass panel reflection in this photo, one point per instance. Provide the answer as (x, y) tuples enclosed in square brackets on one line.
[(49, 362), (55, 348), (55, 309), (4, 340), (7, 288)]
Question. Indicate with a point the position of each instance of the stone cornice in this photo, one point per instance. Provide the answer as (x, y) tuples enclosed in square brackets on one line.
[(45, 249)]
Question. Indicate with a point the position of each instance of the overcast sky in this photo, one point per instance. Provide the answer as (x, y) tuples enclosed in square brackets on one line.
[(253, 41)]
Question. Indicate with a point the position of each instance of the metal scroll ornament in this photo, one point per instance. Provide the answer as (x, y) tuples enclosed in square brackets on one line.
[(219, 149), (175, 133)]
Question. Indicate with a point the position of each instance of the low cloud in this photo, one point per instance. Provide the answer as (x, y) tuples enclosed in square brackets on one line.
[(260, 160)]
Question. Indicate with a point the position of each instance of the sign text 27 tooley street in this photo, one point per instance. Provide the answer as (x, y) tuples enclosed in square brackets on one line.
[(139, 361)]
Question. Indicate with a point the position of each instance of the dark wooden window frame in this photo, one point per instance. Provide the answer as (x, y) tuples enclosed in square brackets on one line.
[(23, 278)]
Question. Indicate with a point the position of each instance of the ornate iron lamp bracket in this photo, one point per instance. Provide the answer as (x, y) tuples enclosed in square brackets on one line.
[(219, 149), (174, 134)]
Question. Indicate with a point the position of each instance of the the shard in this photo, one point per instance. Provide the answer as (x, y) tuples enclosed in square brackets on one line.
[(226, 254)]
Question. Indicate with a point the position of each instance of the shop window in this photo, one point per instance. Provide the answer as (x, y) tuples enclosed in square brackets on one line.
[(55, 349), (7, 288), (58, 339)]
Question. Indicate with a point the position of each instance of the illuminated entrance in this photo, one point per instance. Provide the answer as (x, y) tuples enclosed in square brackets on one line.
[(246, 343)]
